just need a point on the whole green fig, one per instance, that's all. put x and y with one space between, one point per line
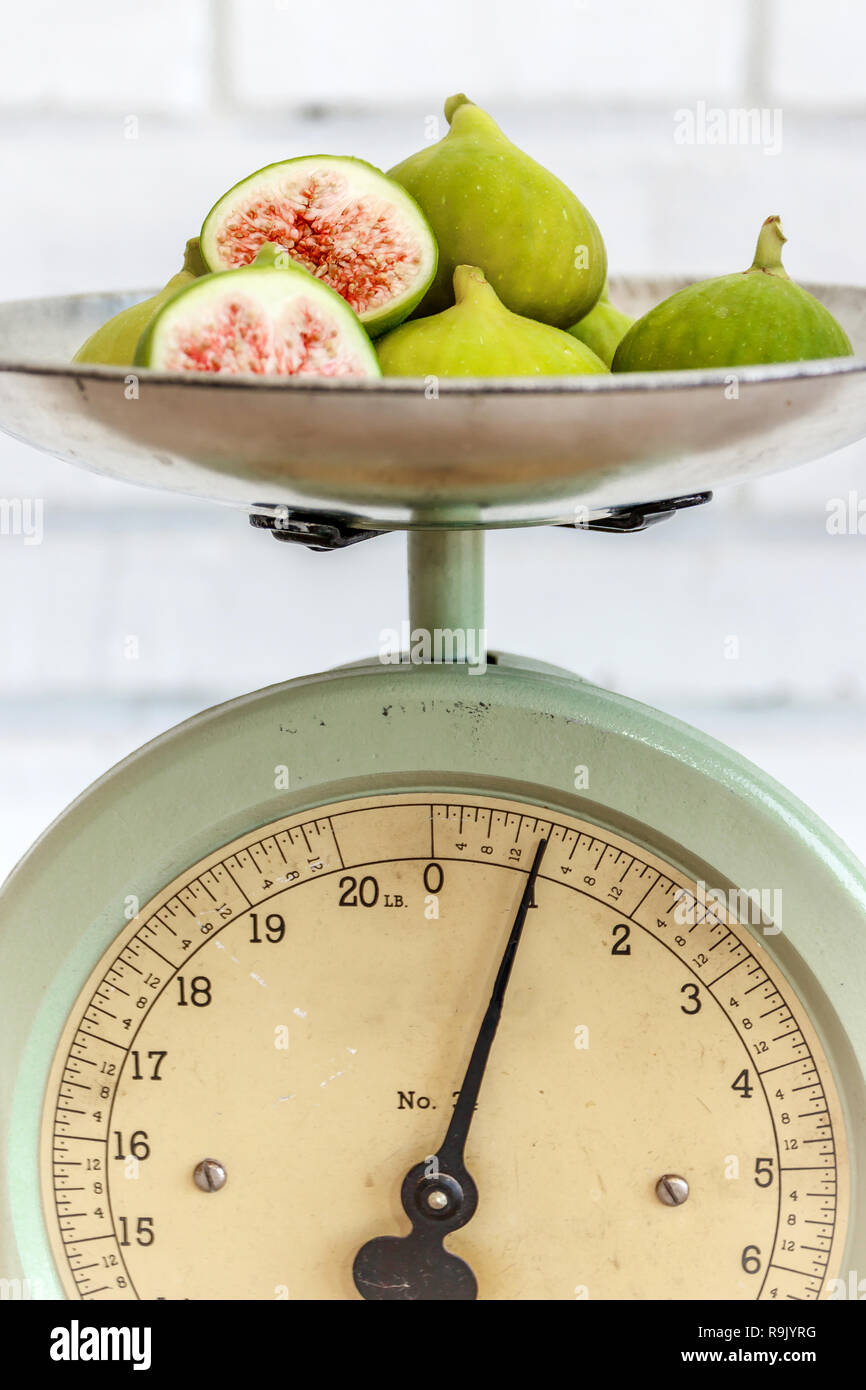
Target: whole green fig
603 328
492 206
478 336
754 316
115 342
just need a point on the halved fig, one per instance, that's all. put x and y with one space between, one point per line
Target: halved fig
343 220
262 319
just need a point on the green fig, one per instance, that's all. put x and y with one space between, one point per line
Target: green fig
478 336
492 206
603 328
343 220
753 316
115 342
271 318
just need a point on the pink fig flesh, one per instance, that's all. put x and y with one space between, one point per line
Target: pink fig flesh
266 321
342 220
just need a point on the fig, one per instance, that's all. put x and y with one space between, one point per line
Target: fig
753 316
492 206
270 318
115 342
478 336
603 328
341 219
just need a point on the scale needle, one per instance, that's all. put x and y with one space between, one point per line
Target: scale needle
439 1194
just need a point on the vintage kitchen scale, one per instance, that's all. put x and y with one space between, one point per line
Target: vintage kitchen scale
250 979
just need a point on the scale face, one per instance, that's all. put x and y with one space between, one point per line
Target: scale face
445 979
658 1118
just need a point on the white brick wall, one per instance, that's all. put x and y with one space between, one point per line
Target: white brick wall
817 53
284 54
589 88
91 55
124 57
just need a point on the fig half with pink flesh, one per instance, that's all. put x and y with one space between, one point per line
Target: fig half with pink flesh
271 318
342 220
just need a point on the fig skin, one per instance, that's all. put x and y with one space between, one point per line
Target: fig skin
115 342
492 206
603 328
478 336
755 316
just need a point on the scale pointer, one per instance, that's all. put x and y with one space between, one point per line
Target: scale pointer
417 1267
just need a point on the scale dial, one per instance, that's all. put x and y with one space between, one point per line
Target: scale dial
276 1038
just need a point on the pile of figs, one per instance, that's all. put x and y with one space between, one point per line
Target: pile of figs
467 259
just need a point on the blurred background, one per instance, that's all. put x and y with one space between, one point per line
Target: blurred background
122 123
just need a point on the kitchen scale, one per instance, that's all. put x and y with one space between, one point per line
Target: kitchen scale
435 979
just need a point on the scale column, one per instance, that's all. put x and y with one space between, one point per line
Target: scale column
446 593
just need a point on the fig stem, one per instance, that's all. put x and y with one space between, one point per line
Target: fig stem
272 254
768 252
192 258
451 105
471 286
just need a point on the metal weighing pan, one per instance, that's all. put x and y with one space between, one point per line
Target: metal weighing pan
410 453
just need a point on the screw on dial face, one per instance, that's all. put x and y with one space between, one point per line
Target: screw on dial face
672 1190
209 1175
298 1005
418 1267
